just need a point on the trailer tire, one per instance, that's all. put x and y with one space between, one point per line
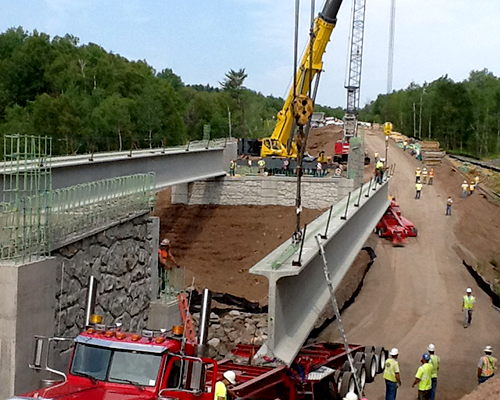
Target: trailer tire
347 384
371 366
359 357
381 358
361 374
347 366
380 232
415 231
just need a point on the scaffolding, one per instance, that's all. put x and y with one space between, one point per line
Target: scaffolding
34 219
27 183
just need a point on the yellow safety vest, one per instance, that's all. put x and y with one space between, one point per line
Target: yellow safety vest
489 365
417 172
380 165
424 373
469 302
418 186
391 369
435 365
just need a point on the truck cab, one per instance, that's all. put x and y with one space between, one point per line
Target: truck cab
111 364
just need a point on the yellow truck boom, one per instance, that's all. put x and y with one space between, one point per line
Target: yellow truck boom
281 143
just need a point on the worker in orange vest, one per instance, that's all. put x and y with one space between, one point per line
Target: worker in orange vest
164 256
431 176
487 365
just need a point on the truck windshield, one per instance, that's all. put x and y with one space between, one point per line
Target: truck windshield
115 365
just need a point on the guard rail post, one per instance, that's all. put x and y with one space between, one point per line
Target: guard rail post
344 217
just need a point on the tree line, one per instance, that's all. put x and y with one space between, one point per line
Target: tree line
88 99
463 116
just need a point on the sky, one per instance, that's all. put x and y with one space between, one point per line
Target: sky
201 40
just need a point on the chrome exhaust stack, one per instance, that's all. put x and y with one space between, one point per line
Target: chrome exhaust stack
91 299
206 309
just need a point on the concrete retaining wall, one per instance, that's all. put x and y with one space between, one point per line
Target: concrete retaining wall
48 297
317 193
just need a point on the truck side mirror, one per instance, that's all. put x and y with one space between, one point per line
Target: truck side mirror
38 354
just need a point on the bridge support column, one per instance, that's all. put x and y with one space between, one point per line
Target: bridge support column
27 308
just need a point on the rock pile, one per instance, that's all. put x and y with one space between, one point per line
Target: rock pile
232 328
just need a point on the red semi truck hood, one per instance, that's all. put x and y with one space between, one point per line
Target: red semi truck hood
70 391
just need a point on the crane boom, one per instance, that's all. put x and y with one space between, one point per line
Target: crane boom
308 69
355 61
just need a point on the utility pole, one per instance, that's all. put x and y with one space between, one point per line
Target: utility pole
390 63
414 121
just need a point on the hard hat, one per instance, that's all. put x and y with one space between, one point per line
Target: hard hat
394 352
431 347
165 242
426 357
465 181
469 290
351 396
230 376
382 159
488 349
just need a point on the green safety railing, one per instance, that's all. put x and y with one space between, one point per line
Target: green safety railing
31 226
171 282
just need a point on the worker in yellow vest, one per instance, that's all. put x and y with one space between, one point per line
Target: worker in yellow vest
221 387
468 304
391 375
418 172
423 378
465 187
424 175
418 190
262 165
434 361
472 187
487 365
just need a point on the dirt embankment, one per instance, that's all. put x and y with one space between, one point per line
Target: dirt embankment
219 244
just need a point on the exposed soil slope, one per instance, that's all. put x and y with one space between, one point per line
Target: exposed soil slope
218 244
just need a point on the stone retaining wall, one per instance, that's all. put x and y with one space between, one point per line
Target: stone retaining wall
122 259
317 193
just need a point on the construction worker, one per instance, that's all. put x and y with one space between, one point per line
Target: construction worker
424 175
434 361
465 187
487 365
424 378
379 170
418 172
431 176
418 190
472 187
164 256
375 157
262 165
391 375
449 203
468 304
476 181
221 390
405 143
322 157
232 167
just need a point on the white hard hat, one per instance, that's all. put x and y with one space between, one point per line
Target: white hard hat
230 376
469 290
488 349
165 242
394 352
351 396
465 181
382 159
431 347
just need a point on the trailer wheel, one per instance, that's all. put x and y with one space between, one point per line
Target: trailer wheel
415 231
371 366
347 366
380 232
381 357
347 384
361 374
359 357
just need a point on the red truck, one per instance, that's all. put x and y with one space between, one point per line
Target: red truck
110 364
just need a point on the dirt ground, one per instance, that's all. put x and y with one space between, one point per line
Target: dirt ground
412 295
218 244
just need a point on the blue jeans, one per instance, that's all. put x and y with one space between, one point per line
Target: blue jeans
485 378
448 209
464 194
391 389
433 388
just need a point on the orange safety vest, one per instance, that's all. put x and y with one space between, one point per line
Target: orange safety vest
163 254
488 366
431 173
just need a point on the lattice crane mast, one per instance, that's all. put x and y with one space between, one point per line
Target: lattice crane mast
353 81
